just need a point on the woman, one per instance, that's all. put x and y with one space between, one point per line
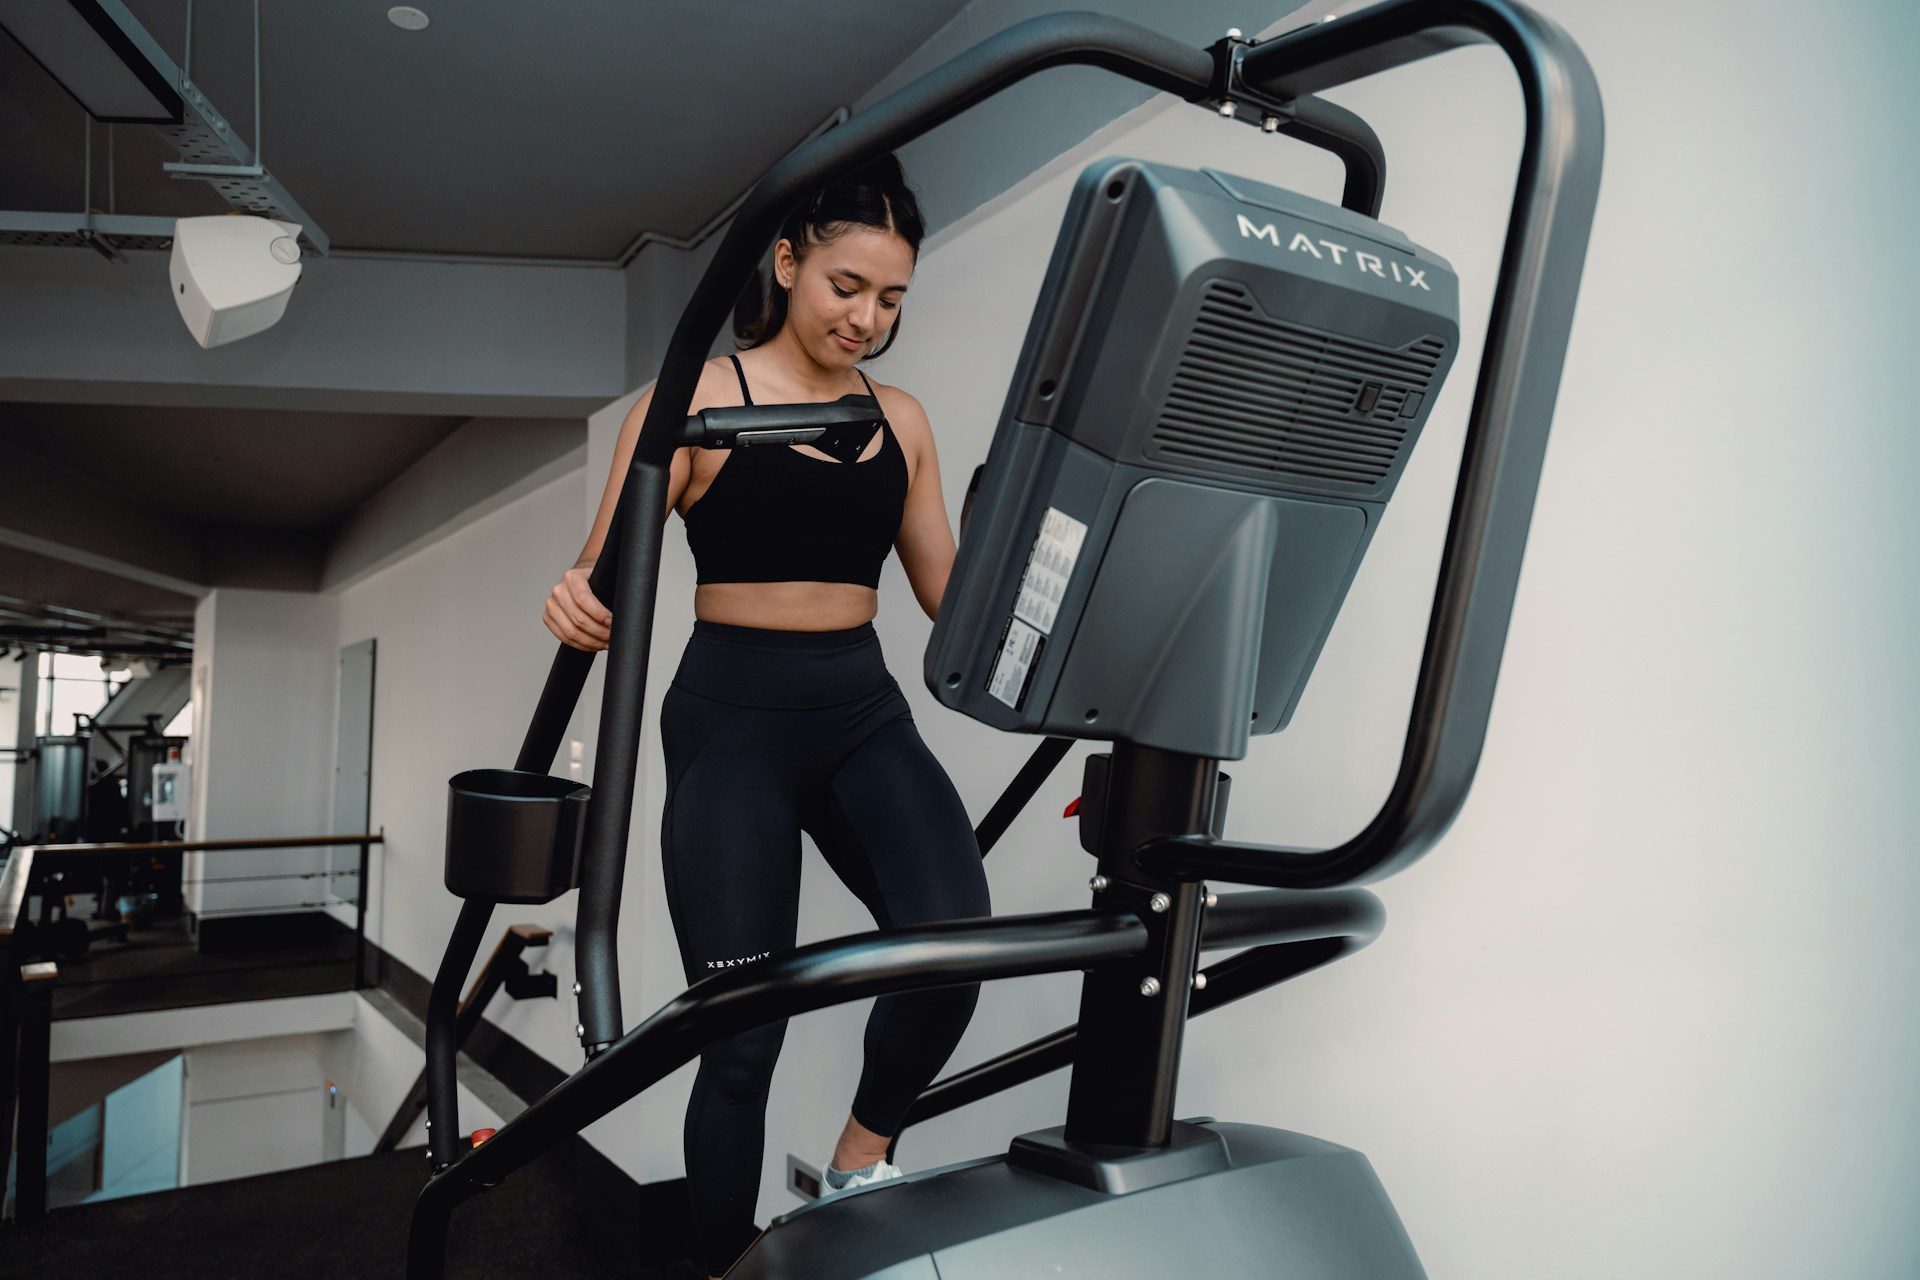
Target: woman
782 717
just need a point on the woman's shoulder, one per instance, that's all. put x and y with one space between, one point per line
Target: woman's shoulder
903 410
718 387
908 420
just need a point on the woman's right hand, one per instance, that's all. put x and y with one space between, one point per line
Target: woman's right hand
575 615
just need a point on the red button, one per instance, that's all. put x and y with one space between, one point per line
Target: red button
1072 808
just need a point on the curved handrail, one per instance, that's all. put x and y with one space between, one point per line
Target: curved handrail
1519 379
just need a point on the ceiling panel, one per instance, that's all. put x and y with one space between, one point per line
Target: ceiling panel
550 130
300 472
45 582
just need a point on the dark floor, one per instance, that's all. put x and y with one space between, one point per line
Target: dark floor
159 968
341 1221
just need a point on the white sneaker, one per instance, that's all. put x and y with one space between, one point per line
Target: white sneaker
882 1172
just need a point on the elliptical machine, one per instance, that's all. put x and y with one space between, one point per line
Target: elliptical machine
1218 393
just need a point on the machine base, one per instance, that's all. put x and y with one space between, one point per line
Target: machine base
1284 1206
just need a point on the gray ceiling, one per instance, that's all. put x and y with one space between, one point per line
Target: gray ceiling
35 591
27 575
506 128
296 472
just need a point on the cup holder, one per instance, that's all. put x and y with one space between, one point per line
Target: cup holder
513 836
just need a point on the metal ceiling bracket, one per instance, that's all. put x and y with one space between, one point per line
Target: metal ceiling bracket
210 151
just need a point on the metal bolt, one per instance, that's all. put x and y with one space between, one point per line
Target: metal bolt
580 1030
1098 884
1213 899
1269 124
429 1124
1200 981
1233 33
576 988
1149 986
1226 109
1159 902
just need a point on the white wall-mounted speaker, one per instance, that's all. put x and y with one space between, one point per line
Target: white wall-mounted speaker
231 276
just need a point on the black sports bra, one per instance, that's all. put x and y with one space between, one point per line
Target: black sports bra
774 514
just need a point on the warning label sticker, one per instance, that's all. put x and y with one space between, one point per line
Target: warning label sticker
1049 567
1014 663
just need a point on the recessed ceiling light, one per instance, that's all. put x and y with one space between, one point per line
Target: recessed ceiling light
407 18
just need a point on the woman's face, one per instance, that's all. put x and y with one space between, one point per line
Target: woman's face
846 293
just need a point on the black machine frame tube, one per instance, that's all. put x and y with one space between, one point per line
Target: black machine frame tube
1063 39
1519 380
443 1032
1039 767
1133 1016
603 846
493 975
1352 141
1327 925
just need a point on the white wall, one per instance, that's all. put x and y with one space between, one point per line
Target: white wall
264 670
1647 1010
462 657
255 1106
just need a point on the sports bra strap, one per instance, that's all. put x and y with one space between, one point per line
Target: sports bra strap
741 374
747 395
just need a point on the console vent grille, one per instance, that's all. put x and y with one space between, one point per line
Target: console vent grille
1257 394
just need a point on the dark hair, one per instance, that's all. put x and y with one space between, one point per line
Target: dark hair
875 195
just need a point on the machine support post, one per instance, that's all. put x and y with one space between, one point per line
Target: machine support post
604 847
443 1037
1133 1014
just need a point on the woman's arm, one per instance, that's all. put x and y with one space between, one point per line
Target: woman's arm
572 612
925 542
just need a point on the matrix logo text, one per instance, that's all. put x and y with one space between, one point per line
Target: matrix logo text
1412 277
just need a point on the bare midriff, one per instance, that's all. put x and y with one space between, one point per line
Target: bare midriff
787 606
779 606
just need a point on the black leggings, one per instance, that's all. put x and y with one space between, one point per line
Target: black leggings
768 734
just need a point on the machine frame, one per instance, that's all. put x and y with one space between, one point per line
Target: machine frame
1157 834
